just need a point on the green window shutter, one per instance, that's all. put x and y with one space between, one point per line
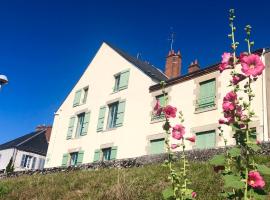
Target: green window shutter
123 84
113 153
97 155
120 113
206 139
161 100
85 123
101 117
157 146
80 157
70 128
77 98
64 160
207 94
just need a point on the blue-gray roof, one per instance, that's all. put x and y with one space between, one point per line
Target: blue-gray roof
34 142
145 67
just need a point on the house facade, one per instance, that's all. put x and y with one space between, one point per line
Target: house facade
27 152
108 114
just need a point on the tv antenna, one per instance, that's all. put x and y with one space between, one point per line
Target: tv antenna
172 38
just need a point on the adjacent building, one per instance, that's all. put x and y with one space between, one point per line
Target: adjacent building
27 152
108 114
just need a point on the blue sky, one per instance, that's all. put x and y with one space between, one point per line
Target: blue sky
46 45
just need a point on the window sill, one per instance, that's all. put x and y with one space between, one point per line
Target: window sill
114 92
201 110
153 121
109 129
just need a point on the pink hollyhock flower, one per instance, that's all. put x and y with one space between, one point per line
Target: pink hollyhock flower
230 96
191 139
239 111
258 142
193 194
228 106
226 61
174 146
252 65
238 78
170 111
178 132
157 109
255 180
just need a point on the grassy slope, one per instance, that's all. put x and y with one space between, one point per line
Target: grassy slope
137 183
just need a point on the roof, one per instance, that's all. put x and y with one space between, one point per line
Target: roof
34 142
147 68
198 73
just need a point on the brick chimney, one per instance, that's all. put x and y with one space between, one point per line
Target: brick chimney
173 64
48 131
194 66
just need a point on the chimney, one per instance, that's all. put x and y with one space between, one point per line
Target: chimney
173 64
194 66
48 133
48 130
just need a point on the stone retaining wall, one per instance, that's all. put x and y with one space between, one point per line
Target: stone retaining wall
193 155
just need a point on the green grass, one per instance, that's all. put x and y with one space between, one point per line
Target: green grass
112 184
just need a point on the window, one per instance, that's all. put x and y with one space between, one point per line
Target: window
112 115
207 94
205 140
85 93
157 146
161 99
80 97
26 160
121 81
106 154
80 124
34 162
41 163
117 83
73 159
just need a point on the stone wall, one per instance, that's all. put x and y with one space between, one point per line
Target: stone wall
193 155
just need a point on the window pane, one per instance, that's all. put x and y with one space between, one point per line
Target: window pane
73 158
117 83
85 95
106 153
112 115
80 124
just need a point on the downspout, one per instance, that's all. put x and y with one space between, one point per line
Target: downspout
263 97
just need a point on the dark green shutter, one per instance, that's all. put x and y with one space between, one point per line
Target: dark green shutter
64 160
70 128
206 139
113 153
101 117
77 98
120 113
157 146
80 157
85 123
97 155
161 100
124 77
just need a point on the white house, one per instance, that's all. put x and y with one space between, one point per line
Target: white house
27 152
108 113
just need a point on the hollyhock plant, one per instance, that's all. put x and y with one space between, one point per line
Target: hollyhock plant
252 65
193 194
255 180
178 131
174 146
169 111
237 78
228 106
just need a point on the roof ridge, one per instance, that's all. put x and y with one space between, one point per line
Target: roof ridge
36 134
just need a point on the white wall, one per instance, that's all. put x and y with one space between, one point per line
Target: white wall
99 76
5 156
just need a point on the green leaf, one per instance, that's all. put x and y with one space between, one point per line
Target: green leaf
218 160
259 195
233 181
168 194
254 147
235 152
263 169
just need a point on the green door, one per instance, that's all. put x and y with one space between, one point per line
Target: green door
157 146
205 140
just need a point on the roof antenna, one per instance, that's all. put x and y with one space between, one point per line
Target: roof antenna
172 37
139 55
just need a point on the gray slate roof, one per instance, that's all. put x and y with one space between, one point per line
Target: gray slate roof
147 68
34 142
